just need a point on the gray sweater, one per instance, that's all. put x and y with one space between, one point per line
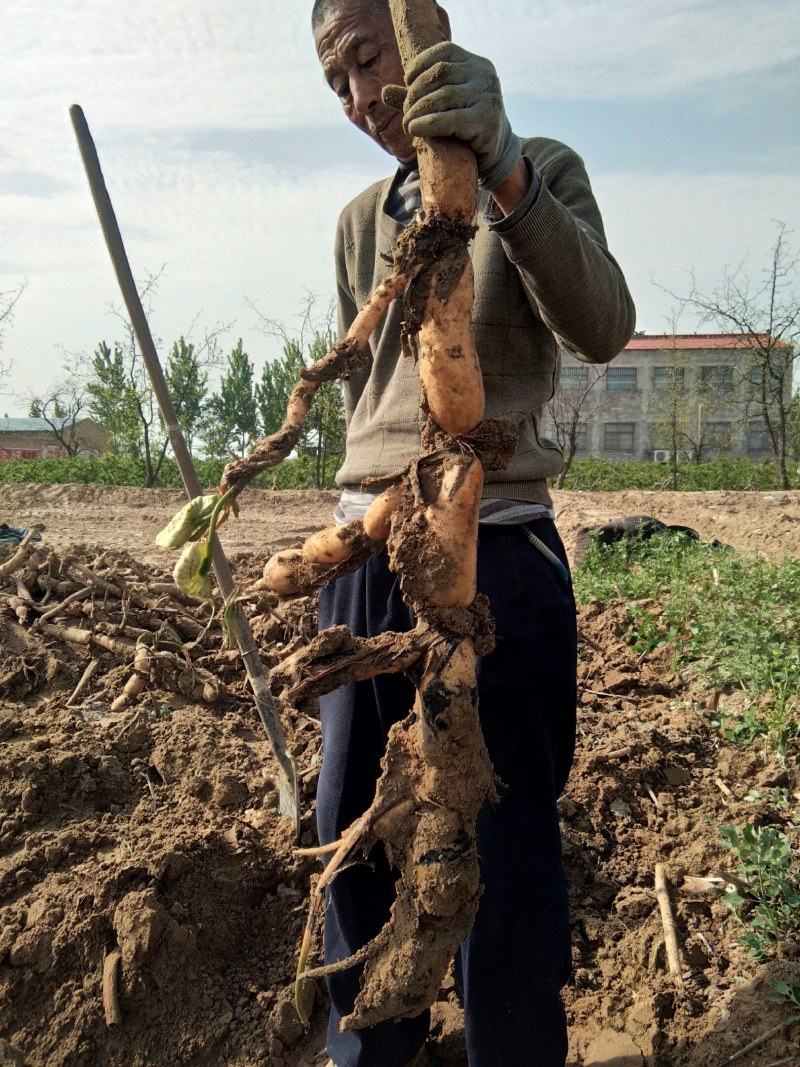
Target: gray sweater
543 278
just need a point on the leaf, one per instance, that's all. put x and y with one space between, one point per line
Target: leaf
189 524
191 572
733 900
781 988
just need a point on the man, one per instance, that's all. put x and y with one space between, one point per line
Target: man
542 272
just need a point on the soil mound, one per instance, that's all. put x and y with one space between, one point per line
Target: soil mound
150 829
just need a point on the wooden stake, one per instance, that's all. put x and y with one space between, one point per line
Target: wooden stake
265 705
668 922
718 782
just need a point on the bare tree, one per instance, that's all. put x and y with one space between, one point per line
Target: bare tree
678 408
63 406
8 301
766 315
572 408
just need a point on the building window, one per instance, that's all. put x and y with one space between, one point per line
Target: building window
574 377
668 377
718 435
621 378
757 436
619 436
717 379
764 381
580 438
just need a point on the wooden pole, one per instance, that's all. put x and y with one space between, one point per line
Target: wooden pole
268 712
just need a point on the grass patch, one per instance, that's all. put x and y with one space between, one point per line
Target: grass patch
733 618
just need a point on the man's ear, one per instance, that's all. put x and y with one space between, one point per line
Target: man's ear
444 22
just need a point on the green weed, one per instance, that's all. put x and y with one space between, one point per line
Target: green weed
783 993
769 865
730 617
778 797
590 473
160 712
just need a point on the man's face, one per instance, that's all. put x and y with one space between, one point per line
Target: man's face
358 51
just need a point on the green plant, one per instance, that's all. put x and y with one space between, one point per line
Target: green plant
778 796
157 713
299 473
597 474
695 598
786 994
769 866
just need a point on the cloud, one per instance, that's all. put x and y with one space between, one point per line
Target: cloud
662 228
29 183
614 49
177 70
228 160
224 233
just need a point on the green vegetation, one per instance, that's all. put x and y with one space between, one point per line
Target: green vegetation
725 615
300 473
119 396
321 456
783 993
767 901
230 421
733 620
113 387
594 474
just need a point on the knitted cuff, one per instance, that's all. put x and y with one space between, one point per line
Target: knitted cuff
500 223
508 159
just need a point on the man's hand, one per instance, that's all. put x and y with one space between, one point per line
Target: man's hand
453 93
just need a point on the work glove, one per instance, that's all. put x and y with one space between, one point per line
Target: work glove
452 93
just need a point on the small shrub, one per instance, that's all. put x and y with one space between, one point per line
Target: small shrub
768 862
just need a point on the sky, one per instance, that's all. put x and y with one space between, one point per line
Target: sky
228 159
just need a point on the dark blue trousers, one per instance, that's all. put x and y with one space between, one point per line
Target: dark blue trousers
512 967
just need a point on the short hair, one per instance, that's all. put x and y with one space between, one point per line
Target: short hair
323 9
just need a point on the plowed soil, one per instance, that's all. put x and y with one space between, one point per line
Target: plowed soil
153 830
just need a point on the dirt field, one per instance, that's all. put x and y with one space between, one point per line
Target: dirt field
128 519
152 828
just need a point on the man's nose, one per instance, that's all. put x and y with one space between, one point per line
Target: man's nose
366 93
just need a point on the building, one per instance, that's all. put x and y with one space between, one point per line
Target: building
694 392
36 439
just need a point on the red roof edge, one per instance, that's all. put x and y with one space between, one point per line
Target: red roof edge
665 342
